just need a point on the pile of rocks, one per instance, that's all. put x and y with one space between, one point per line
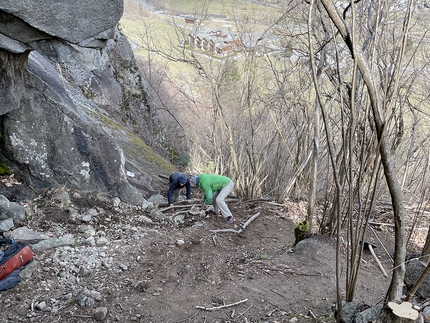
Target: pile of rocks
72 258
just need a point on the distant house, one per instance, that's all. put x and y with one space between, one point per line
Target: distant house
215 33
198 42
222 50
229 40
208 45
214 41
190 20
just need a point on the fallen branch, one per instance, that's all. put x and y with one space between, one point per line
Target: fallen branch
259 200
277 204
377 261
252 218
420 307
220 307
287 270
172 218
278 293
392 225
178 207
193 203
241 314
379 240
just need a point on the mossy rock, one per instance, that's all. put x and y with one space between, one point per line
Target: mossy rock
300 231
4 170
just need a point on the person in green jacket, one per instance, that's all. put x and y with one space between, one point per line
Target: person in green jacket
216 188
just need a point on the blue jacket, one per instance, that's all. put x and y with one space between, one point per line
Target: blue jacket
174 185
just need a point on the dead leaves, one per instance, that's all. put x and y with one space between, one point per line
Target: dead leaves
9 181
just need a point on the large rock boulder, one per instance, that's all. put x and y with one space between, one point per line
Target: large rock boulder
75 110
74 21
24 23
414 269
12 67
55 138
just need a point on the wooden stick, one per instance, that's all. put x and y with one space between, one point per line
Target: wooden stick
188 205
260 200
278 293
420 307
392 225
243 313
220 307
277 204
377 261
379 240
178 207
252 218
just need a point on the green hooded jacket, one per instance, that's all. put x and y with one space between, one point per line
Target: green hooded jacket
210 183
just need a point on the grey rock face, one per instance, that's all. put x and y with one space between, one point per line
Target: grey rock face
25 235
57 140
11 210
74 21
12 84
73 101
414 269
6 225
24 24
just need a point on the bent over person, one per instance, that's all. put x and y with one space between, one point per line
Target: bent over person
216 188
177 182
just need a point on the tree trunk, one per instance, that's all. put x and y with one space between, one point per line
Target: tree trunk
314 168
396 286
398 313
425 254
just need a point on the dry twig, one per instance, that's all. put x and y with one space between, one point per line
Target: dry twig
379 240
252 218
178 207
220 307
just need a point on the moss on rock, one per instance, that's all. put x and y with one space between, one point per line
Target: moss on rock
4 169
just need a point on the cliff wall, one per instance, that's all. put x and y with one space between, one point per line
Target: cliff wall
74 108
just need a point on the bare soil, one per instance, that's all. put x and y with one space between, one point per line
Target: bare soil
186 273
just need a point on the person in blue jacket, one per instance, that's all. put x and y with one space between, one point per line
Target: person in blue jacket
177 182
215 188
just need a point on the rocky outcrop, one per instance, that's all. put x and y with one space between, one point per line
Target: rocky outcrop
75 110
73 21
24 24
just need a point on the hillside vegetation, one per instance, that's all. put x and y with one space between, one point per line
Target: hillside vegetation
325 104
